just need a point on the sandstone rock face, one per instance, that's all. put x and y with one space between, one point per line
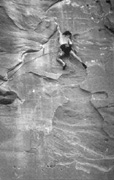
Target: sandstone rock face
56 124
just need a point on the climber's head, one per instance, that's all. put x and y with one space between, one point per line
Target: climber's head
67 34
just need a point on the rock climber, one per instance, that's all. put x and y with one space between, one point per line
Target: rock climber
66 49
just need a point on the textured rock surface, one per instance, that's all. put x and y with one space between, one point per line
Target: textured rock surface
56 124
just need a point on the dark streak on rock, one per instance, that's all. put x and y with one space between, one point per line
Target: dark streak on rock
52 34
106 135
53 4
108 1
43 76
96 93
97 1
8 97
14 67
101 93
107 106
30 51
3 78
111 29
84 90
50 79
32 150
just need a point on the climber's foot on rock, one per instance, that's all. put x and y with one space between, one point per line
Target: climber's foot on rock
84 66
64 66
